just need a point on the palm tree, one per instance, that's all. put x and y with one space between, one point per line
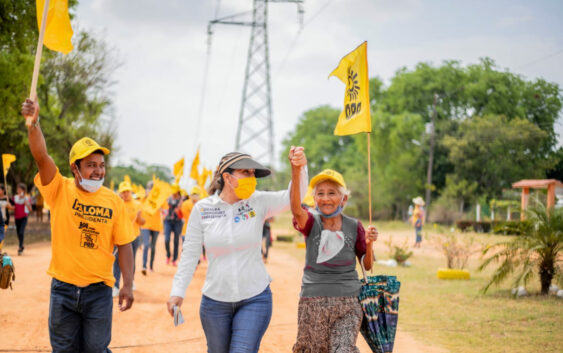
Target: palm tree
537 251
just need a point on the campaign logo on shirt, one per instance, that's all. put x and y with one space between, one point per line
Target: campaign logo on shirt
212 213
88 236
92 213
244 212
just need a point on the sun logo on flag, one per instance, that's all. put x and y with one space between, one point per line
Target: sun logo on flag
353 86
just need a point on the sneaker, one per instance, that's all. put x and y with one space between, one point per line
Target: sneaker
167 260
144 271
20 251
174 263
114 292
152 270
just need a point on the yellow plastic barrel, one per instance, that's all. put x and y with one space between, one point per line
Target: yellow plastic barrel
450 273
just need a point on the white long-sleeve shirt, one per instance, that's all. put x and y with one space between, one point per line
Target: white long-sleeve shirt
232 236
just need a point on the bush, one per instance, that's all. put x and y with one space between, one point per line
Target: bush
464 225
511 227
478 227
285 238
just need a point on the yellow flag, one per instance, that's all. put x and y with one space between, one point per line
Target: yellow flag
194 173
7 159
179 169
112 185
158 195
58 30
127 179
205 173
353 72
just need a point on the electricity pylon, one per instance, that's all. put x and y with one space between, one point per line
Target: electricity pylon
255 132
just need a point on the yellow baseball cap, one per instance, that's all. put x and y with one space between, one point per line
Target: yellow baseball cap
124 186
83 148
328 174
195 190
175 188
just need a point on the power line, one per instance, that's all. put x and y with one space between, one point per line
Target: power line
540 59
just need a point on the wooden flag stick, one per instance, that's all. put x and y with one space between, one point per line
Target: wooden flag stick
369 176
37 64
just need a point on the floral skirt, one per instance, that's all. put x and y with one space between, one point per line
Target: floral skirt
328 325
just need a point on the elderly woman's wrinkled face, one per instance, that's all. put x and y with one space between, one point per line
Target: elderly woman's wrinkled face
328 197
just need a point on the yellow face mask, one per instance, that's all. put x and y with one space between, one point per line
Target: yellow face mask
245 188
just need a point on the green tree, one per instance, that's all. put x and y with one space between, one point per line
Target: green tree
139 172
72 90
495 152
536 252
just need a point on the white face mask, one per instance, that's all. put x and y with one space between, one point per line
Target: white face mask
331 243
90 185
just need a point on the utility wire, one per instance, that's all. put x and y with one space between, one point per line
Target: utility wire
294 42
540 59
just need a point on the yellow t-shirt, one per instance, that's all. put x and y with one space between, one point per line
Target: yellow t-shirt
84 229
133 207
186 209
152 222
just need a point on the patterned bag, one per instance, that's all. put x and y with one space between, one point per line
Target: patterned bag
7 274
379 298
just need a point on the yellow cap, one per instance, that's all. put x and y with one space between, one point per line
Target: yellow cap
175 188
83 148
195 190
328 174
124 186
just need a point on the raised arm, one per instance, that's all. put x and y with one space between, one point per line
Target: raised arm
37 145
297 160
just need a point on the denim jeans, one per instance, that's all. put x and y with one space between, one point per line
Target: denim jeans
20 229
176 228
149 239
80 317
117 269
236 327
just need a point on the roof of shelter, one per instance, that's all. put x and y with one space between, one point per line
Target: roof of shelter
536 183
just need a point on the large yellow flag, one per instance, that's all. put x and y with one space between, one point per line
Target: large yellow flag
7 159
179 169
58 30
158 195
194 173
205 173
353 72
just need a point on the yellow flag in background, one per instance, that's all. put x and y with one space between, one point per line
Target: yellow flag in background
7 159
179 169
112 185
353 72
127 179
58 31
194 173
205 173
158 195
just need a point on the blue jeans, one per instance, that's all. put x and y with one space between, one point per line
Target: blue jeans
176 228
149 239
117 269
80 317
236 327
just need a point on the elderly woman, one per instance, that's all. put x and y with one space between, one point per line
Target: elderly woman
329 314
236 305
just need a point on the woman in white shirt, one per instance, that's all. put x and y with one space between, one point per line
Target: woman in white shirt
236 305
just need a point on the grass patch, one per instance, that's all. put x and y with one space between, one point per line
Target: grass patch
456 315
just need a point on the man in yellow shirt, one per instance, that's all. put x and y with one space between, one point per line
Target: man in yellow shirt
87 220
133 208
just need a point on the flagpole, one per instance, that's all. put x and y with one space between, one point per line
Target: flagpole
369 176
37 64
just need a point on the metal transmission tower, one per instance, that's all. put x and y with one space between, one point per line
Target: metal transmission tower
255 133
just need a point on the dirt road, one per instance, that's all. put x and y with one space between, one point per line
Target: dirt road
147 327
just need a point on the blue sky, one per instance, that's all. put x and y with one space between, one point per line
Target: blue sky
162 45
